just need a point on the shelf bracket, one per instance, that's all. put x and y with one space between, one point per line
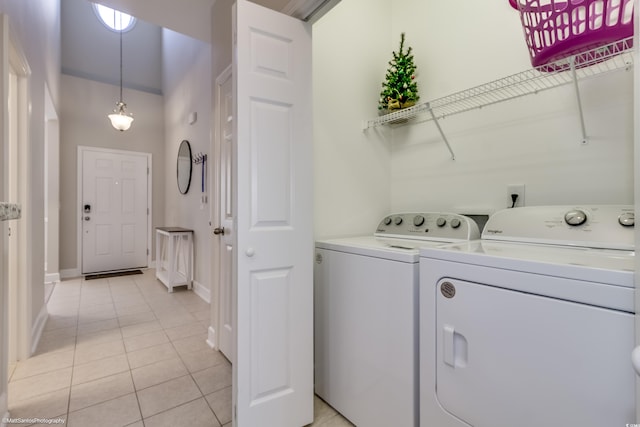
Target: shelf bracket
444 138
574 77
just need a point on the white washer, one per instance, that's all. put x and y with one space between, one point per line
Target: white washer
366 313
534 324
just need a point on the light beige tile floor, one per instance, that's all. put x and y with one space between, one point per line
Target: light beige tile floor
124 352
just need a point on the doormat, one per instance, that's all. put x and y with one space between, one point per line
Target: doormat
114 274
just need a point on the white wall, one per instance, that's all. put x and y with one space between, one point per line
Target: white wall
35 24
91 50
533 140
352 167
187 89
459 44
83 121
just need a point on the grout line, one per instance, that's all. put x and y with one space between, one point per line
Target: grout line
169 409
73 359
212 410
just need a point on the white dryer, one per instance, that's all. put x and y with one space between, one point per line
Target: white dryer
533 325
366 313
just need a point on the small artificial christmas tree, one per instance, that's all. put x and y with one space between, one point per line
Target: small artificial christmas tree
400 90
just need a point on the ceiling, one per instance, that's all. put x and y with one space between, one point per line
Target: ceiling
193 17
90 51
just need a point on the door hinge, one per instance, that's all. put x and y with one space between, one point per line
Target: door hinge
147 251
147 211
147 170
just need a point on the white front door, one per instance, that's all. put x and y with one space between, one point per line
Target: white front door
226 162
273 363
114 210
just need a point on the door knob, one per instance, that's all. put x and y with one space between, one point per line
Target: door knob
218 230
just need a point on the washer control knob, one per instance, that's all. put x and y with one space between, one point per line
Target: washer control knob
441 222
627 219
455 223
575 217
418 220
398 220
387 220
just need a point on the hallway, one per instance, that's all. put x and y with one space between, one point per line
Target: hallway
125 352
120 350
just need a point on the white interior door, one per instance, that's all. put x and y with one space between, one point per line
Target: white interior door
273 364
636 171
226 161
4 228
18 185
15 290
114 210
16 229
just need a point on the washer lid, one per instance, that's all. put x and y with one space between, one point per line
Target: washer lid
403 250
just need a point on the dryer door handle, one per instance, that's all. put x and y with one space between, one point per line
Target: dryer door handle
454 347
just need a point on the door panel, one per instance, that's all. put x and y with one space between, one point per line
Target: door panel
273 367
271 164
114 204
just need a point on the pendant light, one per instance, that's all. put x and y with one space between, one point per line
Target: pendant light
119 118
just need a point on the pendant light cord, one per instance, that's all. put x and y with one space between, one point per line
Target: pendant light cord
115 17
120 120
120 65
120 58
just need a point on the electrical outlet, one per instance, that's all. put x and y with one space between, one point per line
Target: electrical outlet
515 189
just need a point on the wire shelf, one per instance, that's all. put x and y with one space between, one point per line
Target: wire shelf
595 62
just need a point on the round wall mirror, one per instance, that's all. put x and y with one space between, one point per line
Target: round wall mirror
184 167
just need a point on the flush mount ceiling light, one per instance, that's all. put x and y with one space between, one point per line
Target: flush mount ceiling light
120 120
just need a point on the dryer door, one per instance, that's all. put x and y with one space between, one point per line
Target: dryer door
506 358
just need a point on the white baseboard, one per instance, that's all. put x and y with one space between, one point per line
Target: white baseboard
70 273
52 278
38 327
211 338
202 291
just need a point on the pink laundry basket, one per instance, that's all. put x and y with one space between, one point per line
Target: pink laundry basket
555 29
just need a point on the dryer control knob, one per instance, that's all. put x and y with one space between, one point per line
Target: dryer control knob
575 217
441 222
627 219
387 221
455 223
418 220
398 220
